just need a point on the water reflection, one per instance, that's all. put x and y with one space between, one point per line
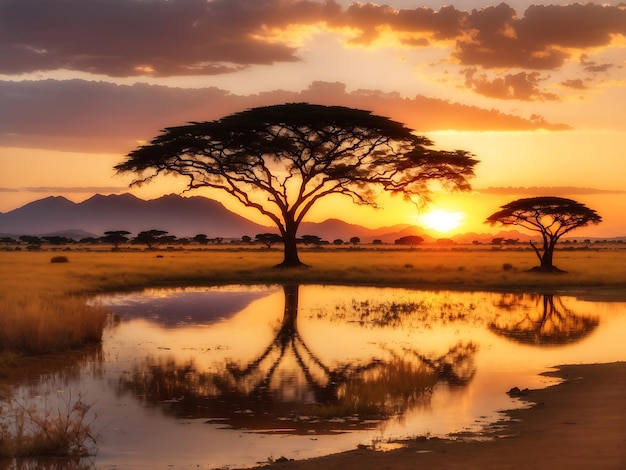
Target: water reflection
540 319
232 375
288 387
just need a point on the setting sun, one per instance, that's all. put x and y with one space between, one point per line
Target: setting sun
441 221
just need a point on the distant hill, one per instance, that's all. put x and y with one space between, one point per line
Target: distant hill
177 215
189 216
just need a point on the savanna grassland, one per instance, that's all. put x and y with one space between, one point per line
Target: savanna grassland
43 308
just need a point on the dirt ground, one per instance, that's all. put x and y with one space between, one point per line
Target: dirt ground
579 424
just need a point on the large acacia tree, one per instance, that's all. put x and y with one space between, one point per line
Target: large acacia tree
550 216
281 160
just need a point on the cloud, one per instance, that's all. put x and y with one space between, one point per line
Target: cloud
576 84
87 116
594 67
560 191
543 39
520 86
122 38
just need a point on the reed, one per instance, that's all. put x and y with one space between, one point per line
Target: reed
37 324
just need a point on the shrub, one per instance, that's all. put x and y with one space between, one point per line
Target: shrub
29 432
59 259
507 266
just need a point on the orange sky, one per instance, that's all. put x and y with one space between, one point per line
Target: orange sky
535 92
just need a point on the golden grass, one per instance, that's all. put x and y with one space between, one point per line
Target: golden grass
42 324
31 273
41 300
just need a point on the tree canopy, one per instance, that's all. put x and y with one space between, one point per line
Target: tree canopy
281 160
550 216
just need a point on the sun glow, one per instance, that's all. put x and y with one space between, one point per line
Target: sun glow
441 221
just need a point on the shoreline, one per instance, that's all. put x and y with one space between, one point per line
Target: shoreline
577 424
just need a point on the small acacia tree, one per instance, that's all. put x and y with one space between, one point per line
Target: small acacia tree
551 216
281 160
115 237
268 239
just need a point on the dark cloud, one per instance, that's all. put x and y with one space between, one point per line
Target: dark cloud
576 84
594 67
368 18
136 37
190 37
542 38
560 191
86 116
520 86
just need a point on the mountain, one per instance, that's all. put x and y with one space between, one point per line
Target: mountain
189 216
175 214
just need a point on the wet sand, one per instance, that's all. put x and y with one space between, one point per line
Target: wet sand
579 424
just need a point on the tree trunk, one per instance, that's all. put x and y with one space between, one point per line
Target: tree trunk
290 257
546 259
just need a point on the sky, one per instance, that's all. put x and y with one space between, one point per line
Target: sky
535 90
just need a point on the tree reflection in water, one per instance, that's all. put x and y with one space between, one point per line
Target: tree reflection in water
543 320
288 388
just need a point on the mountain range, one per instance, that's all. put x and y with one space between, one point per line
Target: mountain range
183 217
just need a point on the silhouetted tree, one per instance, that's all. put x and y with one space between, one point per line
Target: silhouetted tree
410 240
311 240
337 241
281 160
550 216
201 238
246 239
57 240
151 238
115 237
31 240
268 239
355 241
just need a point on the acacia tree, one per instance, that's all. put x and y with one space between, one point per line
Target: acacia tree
551 216
281 160
268 239
152 238
115 237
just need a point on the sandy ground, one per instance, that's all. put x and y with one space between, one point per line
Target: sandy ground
578 424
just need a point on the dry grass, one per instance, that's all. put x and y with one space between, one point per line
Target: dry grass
28 273
38 324
65 431
42 304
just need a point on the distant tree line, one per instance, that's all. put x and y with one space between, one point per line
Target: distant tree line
154 239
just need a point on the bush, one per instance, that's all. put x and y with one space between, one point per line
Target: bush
65 432
59 259
507 266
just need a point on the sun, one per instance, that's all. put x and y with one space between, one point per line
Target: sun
441 221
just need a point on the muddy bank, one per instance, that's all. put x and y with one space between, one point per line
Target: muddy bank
578 424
